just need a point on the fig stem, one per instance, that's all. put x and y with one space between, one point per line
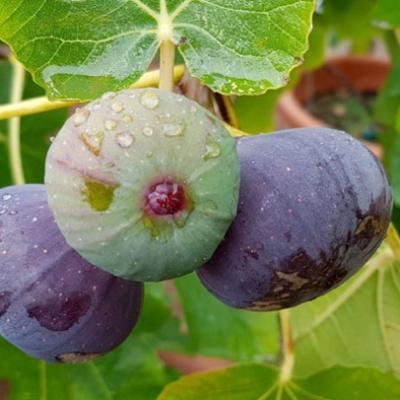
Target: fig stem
43 380
14 124
42 104
287 348
393 239
167 60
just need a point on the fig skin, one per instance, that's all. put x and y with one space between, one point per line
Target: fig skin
54 305
108 158
314 206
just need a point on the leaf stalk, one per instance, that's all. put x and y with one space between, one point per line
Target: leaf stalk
43 104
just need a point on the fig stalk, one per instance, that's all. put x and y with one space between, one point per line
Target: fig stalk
287 347
14 124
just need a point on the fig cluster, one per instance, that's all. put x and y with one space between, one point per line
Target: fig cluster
145 185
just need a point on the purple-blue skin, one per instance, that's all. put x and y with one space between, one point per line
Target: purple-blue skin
314 206
54 305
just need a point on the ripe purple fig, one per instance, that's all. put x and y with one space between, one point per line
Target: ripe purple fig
314 206
54 305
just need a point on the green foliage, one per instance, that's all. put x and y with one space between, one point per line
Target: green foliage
233 47
217 330
36 131
386 112
255 381
366 304
132 371
388 11
80 49
350 19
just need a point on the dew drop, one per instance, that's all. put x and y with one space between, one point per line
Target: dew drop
117 107
81 116
110 124
149 99
6 196
147 131
108 96
173 130
127 119
213 150
125 140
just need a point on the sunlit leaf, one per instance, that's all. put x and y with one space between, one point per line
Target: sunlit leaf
80 49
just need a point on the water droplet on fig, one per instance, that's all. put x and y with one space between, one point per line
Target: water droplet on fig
125 140
117 107
81 116
149 99
108 96
173 130
213 150
127 119
110 124
147 131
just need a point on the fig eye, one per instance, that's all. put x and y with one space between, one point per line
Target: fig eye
166 197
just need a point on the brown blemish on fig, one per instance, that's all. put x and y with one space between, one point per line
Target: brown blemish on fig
76 358
93 142
294 279
60 313
5 301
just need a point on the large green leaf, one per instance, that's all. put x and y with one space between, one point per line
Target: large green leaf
260 382
217 330
356 324
388 11
132 371
80 49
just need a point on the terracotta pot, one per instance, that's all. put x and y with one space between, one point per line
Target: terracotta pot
189 364
360 73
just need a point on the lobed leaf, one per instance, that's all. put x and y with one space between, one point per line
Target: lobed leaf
81 49
261 382
356 324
